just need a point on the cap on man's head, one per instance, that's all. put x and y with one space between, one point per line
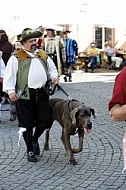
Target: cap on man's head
66 31
28 33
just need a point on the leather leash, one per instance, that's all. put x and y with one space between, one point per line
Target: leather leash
50 90
60 88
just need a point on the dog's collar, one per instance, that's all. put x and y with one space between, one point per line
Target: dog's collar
69 103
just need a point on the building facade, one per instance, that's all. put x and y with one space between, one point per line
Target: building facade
87 33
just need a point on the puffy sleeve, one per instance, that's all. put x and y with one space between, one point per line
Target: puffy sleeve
2 68
9 81
119 90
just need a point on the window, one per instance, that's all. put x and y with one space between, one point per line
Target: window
98 37
108 34
102 35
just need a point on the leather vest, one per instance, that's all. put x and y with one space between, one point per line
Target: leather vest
24 61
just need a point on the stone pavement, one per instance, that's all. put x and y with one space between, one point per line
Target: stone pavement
100 163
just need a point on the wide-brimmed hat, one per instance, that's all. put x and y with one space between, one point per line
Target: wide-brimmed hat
28 33
50 29
66 31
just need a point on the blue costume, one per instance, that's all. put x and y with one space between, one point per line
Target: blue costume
71 48
71 51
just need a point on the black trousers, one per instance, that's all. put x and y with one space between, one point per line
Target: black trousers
109 60
34 112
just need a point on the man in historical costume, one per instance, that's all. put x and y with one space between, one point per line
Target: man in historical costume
53 45
6 48
26 74
71 48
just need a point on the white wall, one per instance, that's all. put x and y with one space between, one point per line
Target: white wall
120 35
83 33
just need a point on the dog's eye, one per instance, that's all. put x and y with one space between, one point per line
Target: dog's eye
84 113
88 114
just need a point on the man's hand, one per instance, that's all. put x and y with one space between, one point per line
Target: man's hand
13 97
54 81
1 80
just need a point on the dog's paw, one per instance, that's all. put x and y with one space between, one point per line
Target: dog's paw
72 162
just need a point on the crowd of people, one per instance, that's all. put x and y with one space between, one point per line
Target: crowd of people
24 72
36 58
110 54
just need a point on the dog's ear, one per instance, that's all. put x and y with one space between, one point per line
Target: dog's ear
92 112
73 113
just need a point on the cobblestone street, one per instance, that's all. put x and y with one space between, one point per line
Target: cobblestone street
100 164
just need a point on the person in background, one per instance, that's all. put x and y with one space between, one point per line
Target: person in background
92 53
111 51
2 72
17 45
71 48
53 45
13 112
5 46
26 74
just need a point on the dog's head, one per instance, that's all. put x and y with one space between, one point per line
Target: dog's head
82 115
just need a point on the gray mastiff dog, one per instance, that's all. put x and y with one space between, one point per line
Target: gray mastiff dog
74 117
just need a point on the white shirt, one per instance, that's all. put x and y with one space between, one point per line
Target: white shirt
109 50
36 78
2 68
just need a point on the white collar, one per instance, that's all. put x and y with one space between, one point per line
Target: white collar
32 54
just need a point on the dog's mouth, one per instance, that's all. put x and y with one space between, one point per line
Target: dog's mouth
88 131
88 128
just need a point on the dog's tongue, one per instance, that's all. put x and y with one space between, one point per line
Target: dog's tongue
88 131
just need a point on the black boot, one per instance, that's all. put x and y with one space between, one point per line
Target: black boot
38 132
31 156
65 79
36 148
29 143
70 77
